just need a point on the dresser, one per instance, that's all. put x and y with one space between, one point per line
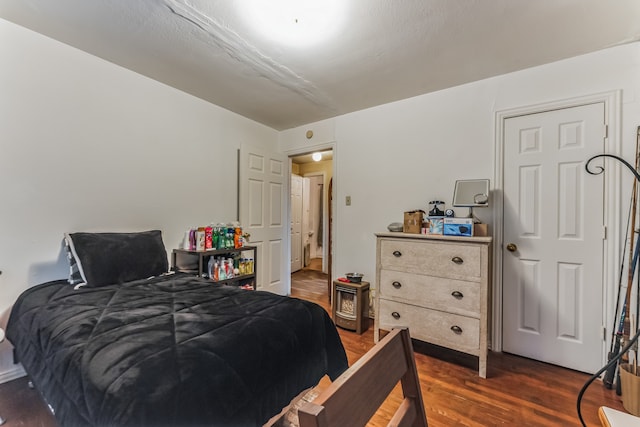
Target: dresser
439 287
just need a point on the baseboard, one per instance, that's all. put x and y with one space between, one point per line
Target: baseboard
12 374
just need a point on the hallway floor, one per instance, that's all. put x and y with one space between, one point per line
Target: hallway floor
310 283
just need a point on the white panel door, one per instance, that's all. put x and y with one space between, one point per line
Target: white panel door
315 215
263 214
553 237
306 230
296 222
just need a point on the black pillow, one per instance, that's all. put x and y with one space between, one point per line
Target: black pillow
110 258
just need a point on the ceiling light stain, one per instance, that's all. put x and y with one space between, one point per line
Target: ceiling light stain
300 24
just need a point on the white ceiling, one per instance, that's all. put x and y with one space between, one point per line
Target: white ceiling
382 50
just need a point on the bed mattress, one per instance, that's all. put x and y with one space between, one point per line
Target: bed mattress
174 350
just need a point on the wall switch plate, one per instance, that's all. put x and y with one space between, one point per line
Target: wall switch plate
348 200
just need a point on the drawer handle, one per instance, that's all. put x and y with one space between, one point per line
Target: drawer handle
456 329
397 254
397 285
395 315
457 260
457 294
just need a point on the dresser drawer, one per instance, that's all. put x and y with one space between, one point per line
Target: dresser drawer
445 329
442 259
453 296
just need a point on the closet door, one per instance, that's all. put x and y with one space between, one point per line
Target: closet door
553 237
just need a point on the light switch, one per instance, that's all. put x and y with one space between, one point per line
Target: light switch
348 200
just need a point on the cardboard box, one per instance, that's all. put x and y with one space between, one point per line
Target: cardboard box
413 222
436 224
481 230
458 227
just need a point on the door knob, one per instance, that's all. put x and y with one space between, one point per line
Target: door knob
511 247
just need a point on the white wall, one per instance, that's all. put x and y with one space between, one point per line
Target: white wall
86 145
399 156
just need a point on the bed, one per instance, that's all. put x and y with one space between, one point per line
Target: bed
168 349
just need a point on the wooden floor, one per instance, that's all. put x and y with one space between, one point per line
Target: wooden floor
517 392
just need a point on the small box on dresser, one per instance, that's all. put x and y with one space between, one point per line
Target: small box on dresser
439 287
458 227
413 222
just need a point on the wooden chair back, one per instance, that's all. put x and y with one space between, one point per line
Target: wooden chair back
354 397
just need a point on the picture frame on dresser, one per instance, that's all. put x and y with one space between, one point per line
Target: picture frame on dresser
439 287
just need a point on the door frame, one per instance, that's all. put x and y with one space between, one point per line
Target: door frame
611 204
334 172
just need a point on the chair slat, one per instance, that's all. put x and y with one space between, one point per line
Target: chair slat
354 397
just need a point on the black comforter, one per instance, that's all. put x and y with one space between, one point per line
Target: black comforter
170 351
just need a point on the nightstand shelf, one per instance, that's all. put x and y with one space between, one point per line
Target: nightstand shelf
196 263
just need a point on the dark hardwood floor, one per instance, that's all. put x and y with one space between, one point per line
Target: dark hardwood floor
517 392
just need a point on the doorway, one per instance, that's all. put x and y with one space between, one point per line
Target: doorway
310 220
